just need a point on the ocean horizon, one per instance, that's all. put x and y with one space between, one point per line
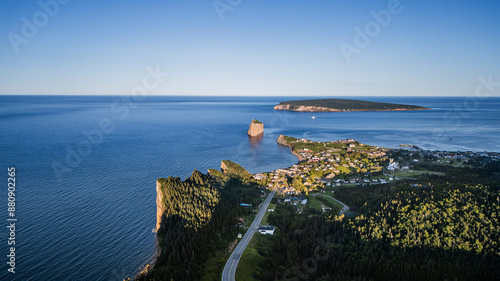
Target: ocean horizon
86 166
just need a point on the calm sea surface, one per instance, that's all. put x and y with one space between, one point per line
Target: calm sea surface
86 166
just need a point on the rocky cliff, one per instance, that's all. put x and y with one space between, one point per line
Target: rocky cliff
160 206
282 140
230 168
256 128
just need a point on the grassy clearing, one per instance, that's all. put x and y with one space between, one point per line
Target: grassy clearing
415 173
249 267
248 264
266 215
330 202
315 203
319 199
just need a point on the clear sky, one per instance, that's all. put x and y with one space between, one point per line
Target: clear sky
250 47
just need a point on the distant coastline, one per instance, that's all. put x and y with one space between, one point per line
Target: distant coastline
340 105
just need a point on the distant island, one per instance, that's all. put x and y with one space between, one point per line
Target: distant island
335 105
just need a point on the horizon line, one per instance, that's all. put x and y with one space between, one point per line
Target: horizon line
201 95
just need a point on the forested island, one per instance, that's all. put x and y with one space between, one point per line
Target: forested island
414 215
335 105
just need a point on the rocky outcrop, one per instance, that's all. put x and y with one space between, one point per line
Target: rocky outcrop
230 168
223 167
160 206
216 174
256 128
282 140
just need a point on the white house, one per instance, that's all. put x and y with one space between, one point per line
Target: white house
266 229
394 166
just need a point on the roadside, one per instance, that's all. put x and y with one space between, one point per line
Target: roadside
229 272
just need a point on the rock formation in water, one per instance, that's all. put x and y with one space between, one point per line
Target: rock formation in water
256 128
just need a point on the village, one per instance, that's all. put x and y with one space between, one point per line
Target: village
324 164
351 163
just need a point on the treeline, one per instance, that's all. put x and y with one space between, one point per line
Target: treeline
199 222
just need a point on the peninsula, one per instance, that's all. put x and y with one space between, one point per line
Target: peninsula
336 105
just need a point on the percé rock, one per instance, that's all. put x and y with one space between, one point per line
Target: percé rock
160 206
256 128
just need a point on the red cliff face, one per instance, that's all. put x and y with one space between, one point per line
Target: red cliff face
160 206
256 128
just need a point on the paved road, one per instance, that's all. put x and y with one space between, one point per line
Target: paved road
345 208
229 272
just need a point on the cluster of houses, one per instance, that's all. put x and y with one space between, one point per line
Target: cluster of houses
361 181
322 168
464 155
458 155
335 157
295 201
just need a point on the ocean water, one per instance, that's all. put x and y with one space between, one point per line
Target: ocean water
86 166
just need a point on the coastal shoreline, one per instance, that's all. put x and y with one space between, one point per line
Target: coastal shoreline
281 141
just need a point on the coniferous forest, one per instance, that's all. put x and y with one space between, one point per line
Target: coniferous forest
199 221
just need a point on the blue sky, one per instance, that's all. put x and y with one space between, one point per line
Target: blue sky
427 48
